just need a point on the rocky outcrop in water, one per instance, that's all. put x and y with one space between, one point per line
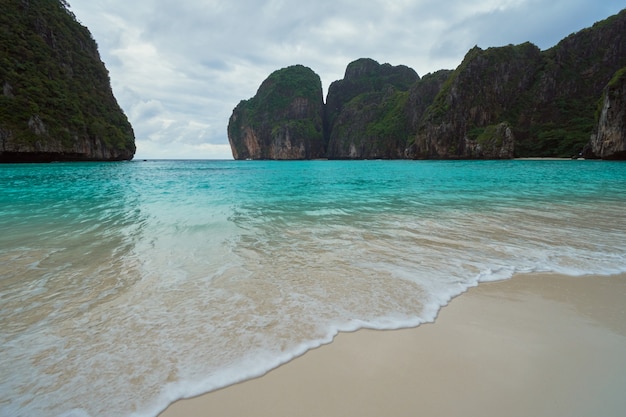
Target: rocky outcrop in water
284 120
56 102
609 140
499 103
365 112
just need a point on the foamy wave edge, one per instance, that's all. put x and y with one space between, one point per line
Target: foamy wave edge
255 367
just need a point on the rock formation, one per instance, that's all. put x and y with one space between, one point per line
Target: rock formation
284 120
422 94
609 140
56 102
470 116
558 114
499 103
365 116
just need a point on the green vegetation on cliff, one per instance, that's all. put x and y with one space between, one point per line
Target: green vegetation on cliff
279 89
56 101
568 87
284 120
365 76
618 78
365 112
391 122
500 102
371 125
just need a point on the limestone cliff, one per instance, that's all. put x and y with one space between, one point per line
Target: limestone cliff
500 102
56 102
365 112
422 94
557 116
284 120
470 116
547 99
609 140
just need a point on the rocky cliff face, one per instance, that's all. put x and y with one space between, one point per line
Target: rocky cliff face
422 94
499 103
557 115
284 120
365 111
547 99
56 102
469 118
609 140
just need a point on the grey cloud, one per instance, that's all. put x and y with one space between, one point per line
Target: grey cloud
541 22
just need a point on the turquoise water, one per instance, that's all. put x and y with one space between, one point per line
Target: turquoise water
125 286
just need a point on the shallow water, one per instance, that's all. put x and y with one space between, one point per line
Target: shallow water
124 286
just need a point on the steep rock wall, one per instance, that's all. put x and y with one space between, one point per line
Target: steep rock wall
558 115
609 141
422 94
474 103
365 111
56 102
284 120
499 103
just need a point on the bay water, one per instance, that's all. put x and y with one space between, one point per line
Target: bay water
125 286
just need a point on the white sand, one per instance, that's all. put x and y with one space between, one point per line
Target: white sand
537 345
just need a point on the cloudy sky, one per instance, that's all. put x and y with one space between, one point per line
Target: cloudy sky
178 68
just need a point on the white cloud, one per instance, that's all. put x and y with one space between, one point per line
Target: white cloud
179 68
152 150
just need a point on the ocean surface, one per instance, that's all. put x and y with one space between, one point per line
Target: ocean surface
125 286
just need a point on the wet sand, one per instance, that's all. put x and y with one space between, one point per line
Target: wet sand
535 345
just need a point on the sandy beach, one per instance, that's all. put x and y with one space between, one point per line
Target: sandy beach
535 345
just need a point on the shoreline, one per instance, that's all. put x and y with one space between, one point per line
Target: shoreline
537 344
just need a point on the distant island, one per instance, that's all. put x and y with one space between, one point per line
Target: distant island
499 103
56 102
